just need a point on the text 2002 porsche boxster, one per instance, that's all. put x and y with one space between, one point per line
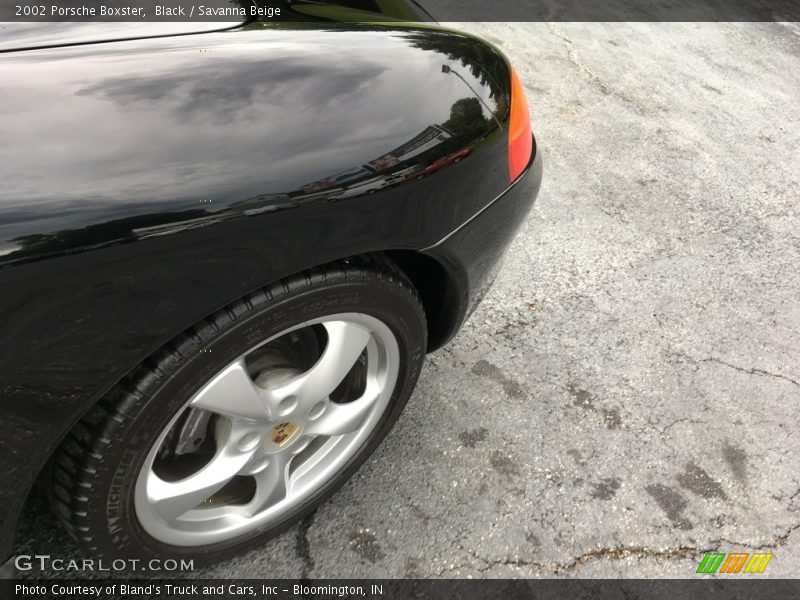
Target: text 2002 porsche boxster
212 310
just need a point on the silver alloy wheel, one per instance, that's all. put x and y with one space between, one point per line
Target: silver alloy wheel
278 429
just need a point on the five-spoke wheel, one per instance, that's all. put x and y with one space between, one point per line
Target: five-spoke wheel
272 431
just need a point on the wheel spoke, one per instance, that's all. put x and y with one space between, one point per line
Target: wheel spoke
272 484
339 419
232 393
171 499
346 342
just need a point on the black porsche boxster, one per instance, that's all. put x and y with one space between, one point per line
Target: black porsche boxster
224 254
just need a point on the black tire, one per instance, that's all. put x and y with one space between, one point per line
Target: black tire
96 467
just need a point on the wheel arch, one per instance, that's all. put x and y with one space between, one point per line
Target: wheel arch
441 295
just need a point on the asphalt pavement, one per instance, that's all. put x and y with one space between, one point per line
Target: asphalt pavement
626 397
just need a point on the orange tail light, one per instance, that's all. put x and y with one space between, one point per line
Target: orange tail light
520 140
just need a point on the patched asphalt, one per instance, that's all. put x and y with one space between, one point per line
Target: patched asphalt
626 397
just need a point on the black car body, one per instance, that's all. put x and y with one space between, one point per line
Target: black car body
146 183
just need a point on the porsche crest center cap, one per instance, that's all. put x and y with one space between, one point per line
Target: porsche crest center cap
282 433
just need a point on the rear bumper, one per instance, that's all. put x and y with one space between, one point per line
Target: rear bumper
473 252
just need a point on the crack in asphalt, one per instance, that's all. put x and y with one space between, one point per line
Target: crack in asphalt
572 56
302 545
619 552
675 422
751 371
614 553
779 541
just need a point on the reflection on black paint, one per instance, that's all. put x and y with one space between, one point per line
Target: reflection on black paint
271 120
479 59
228 91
